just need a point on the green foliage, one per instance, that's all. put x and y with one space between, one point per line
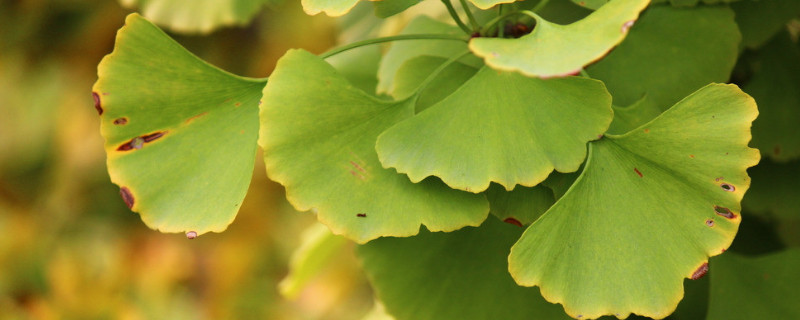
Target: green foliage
201 16
158 104
609 207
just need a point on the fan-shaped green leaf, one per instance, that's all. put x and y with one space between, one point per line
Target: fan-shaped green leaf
669 54
318 134
456 275
776 87
648 210
761 20
501 127
521 206
414 72
402 51
763 287
553 50
166 117
333 8
198 15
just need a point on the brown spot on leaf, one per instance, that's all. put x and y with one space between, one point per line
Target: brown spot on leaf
637 172
355 165
191 235
700 272
127 196
691 156
138 142
97 105
121 121
719 178
725 212
153 136
627 26
237 104
646 130
710 223
195 117
513 221
361 215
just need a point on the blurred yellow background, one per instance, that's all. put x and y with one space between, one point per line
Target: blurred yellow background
70 248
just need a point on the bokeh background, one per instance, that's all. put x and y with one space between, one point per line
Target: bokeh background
70 248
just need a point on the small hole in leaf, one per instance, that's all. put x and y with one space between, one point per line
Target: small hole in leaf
727 187
191 235
725 212
121 121
710 223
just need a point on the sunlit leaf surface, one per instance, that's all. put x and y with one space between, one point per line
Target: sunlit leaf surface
553 50
198 15
318 133
648 210
180 134
500 127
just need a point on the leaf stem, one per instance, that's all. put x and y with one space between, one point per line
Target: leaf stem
455 17
472 20
357 44
436 73
501 31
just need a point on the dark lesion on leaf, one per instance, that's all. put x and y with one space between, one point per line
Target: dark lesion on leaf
127 196
361 215
725 212
97 105
513 221
138 142
121 121
727 187
700 271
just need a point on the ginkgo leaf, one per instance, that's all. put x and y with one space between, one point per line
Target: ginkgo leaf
632 116
198 15
385 9
414 72
591 4
402 51
648 210
318 249
761 287
500 127
166 117
761 20
553 50
318 133
521 206
670 53
333 8
456 275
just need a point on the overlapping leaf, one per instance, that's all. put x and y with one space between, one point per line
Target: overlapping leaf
648 210
553 50
456 275
198 15
318 134
402 51
501 127
755 288
385 9
775 191
486 4
180 134
414 72
761 20
318 248
521 206
632 116
669 54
